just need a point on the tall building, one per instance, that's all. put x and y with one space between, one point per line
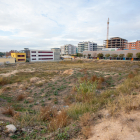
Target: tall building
87 46
116 42
133 45
68 49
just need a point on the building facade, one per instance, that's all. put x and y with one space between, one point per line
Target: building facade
68 49
133 45
20 57
56 53
116 42
41 55
87 46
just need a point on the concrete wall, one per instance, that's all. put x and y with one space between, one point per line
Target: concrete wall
95 53
7 60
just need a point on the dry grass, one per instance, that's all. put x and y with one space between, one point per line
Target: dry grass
61 120
131 75
85 78
84 119
47 113
20 97
86 131
94 78
8 111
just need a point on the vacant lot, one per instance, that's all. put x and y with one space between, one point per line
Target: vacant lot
70 99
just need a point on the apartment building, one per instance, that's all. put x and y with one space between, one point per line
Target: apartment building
68 49
133 45
19 57
87 46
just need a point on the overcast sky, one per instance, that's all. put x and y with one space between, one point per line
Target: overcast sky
44 24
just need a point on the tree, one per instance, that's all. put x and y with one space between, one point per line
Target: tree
100 55
79 54
1 54
121 55
129 55
107 55
114 55
138 55
89 55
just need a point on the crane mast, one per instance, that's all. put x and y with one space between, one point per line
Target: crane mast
107 33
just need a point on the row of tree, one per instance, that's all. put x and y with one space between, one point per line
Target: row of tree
128 55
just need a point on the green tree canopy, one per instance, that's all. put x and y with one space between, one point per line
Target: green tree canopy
100 55
129 55
114 55
138 55
107 55
121 55
1 54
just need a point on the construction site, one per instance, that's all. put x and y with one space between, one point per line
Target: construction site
116 42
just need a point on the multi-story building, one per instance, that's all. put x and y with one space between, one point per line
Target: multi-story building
68 49
87 46
41 55
19 57
38 55
56 53
116 42
133 45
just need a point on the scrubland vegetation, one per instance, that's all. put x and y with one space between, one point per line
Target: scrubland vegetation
65 100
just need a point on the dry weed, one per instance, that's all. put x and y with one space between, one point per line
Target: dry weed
8 111
20 97
47 113
17 116
94 78
99 86
86 131
61 120
131 76
82 79
84 119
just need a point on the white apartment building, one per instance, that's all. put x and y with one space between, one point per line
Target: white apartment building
68 49
87 46
41 55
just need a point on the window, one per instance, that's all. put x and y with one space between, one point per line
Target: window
44 58
20 55
21 59
45 55
44 52
33 51
33 58
33 55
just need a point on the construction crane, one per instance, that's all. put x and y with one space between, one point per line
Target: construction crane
107 33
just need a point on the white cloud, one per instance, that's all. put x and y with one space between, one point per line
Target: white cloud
44 24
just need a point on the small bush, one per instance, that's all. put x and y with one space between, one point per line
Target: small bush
47 113
61 120
20 97
94 78
8 111
79 61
